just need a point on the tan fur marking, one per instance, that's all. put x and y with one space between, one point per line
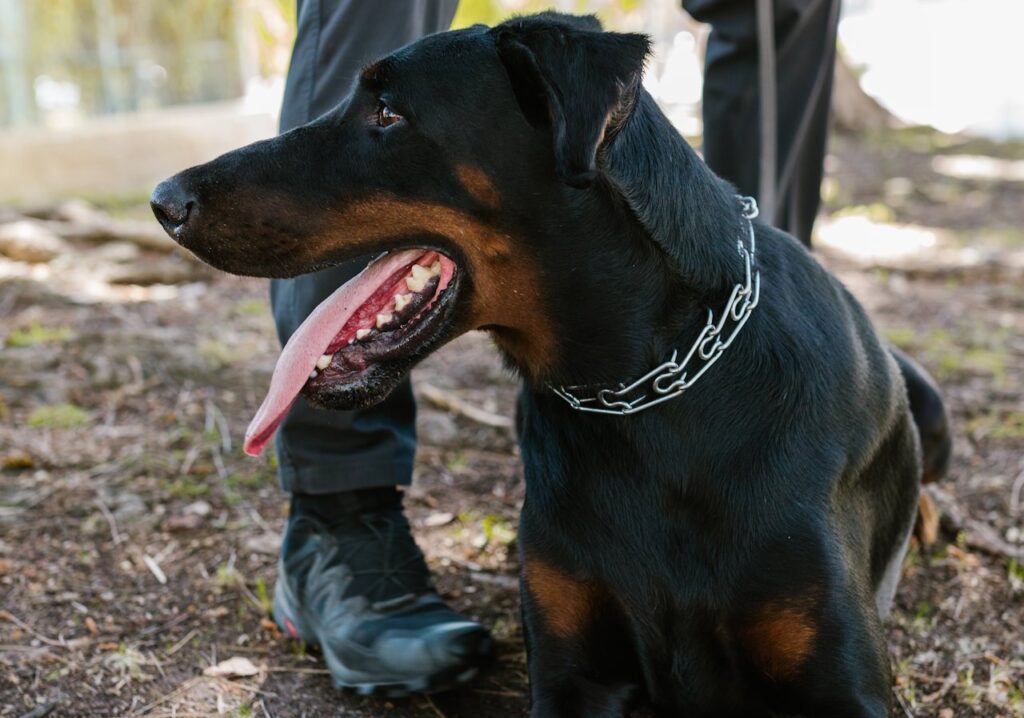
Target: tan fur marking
927 527
478 185
505 280
565 603
780 640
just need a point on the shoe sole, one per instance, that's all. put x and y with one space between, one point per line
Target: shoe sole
290 619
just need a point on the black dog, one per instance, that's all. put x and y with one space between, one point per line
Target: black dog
724 552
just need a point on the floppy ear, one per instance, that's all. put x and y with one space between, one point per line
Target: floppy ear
570 75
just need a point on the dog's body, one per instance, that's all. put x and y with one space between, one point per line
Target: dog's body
725 553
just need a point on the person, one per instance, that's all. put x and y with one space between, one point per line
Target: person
767 94
351 577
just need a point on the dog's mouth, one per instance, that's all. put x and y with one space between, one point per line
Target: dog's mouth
358 342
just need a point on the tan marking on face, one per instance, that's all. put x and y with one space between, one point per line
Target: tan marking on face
566 604
369 72
780 639
478 185
506 292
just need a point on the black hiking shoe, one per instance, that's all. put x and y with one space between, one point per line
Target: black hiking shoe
356 585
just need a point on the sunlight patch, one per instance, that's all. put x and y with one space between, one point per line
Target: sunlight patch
865 239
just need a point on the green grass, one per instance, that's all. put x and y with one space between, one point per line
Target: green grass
217 353
184 488
264 595
254 307
36 334
1010 426
58 416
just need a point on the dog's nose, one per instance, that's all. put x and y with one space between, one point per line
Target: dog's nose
173 205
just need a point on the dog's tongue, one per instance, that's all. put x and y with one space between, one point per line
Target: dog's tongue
299 356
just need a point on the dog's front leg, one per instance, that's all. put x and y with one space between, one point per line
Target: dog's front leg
572 672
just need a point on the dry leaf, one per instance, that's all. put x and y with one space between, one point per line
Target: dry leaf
235 667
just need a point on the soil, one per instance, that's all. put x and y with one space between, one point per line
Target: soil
138 544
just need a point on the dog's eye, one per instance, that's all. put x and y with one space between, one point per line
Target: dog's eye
385 116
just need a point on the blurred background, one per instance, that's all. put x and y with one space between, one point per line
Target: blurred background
75 71
138 543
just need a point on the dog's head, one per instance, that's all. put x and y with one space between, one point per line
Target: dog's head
470 158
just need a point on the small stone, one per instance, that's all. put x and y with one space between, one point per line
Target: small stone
199 508
436 428
267 543
438 518
128 506
27 241
182 522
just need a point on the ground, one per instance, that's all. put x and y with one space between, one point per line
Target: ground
137 542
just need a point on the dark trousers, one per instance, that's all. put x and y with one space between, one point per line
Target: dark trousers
325 451
805 52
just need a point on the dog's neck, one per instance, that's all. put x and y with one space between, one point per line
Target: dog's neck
686 209
664 253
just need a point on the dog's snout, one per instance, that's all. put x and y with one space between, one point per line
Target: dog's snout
174 205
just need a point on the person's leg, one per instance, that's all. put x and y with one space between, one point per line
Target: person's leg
328 451
805 50
351 577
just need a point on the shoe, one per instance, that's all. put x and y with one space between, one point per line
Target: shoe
352 580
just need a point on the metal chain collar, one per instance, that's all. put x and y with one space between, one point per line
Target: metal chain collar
672 378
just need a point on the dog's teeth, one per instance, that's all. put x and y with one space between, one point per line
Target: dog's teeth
383 319
402 301
362 334
323 362
313 374
415 285
419 278
435 268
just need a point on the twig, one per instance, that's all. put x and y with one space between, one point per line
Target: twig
223 427
903 702
505 694
154 568
287 669
1015 494
190 457
238 685
978 535
42 710
947 683
181 644
263 705
183 688
443 399
262 522
159 666
7 615
164 626
114 533
433 707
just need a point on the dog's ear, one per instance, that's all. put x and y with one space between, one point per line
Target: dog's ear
570 75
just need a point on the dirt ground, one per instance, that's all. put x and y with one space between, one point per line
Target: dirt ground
137 542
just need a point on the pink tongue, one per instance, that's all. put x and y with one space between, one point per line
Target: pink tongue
299 356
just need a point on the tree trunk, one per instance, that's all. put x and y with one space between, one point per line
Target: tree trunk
853 110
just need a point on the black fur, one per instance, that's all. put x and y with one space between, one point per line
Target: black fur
787 477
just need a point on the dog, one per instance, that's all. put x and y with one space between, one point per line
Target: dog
722 459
